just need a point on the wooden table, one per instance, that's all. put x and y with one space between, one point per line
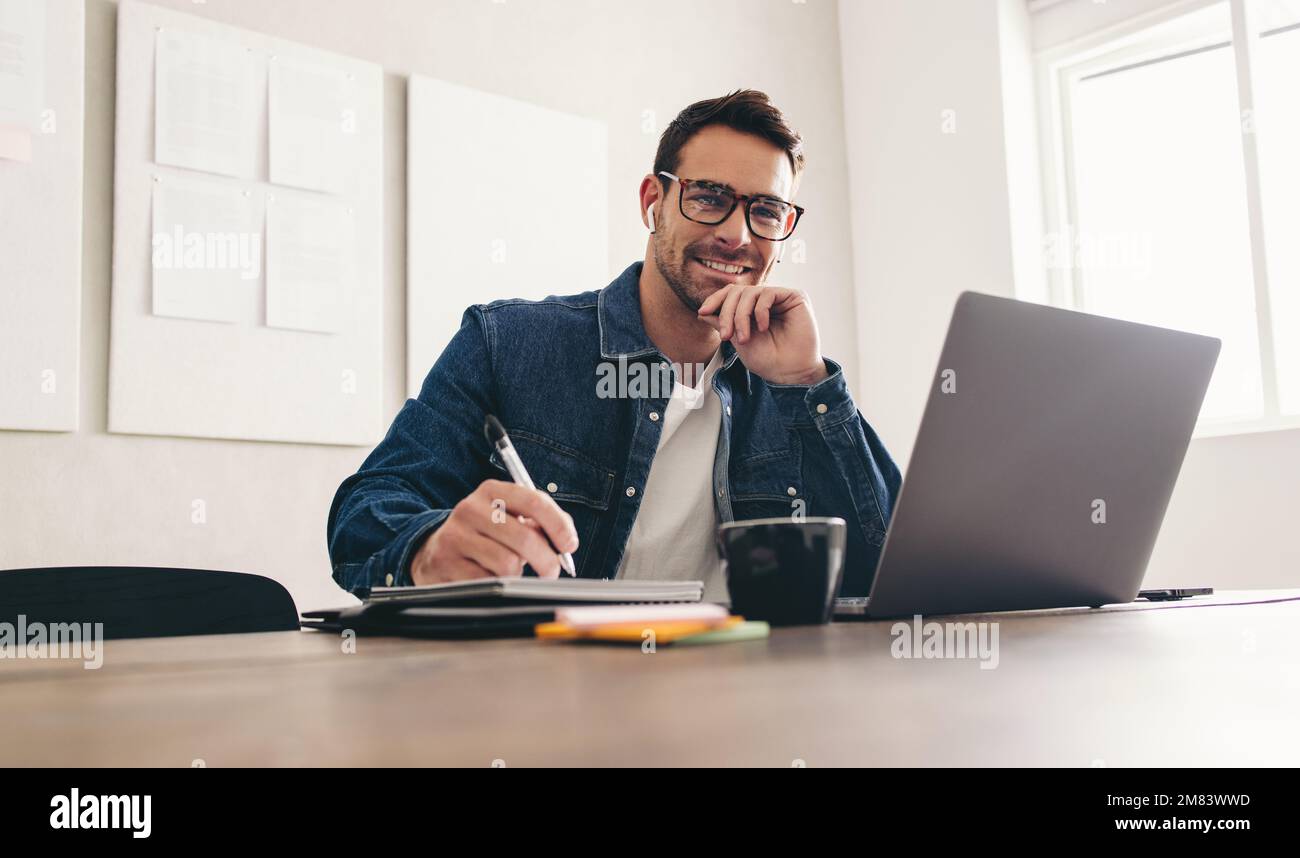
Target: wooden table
1129 686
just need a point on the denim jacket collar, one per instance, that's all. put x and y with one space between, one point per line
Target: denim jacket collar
622 333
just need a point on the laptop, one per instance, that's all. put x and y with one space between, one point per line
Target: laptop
1044 463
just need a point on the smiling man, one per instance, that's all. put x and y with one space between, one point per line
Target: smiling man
746 418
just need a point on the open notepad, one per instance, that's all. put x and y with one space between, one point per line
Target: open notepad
502 591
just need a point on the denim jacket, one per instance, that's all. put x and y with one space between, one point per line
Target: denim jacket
544 369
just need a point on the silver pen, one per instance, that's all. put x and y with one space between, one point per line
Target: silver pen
500 441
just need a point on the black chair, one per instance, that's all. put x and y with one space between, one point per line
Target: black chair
146 601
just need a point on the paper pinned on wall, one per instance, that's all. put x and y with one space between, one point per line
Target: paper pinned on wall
313 126
205 104
310 263
15 143
22 75
207 251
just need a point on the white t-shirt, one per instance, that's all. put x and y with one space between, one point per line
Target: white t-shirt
673 535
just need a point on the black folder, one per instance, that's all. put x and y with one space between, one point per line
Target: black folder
505 621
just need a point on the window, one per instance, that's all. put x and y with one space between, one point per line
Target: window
1173 160
1277 84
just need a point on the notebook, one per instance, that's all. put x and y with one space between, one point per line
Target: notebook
487 592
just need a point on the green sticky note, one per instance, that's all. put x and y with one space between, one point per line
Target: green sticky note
747 631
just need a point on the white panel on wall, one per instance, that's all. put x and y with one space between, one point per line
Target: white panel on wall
41 109
505 199
271 331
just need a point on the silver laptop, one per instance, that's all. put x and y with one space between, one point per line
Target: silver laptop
1046 456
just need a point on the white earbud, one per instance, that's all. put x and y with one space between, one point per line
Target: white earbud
650 213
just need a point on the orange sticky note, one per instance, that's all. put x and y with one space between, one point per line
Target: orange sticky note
663 632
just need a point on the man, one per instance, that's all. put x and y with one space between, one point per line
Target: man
687 392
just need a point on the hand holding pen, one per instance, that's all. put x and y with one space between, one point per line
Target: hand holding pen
498 528
500 441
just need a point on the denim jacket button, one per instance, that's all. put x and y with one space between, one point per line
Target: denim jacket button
821 408
792 491
552 488
388 580
728 410
654 416
631 491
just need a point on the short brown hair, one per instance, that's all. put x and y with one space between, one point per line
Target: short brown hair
746 110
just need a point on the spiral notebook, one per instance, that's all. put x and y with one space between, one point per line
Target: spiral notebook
486 592
488 607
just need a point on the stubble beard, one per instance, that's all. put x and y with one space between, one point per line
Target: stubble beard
689 291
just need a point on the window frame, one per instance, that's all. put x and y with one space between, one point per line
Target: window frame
1058 70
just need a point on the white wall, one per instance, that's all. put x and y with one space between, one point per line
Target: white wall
934 214
930 205
1057 23
91 497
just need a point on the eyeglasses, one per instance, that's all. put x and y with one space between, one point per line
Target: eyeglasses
709 203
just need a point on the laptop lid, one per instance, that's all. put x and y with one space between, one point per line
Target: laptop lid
1044 463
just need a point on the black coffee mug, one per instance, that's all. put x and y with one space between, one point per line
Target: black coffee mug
783 570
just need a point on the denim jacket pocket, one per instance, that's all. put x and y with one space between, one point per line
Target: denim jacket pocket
766 483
